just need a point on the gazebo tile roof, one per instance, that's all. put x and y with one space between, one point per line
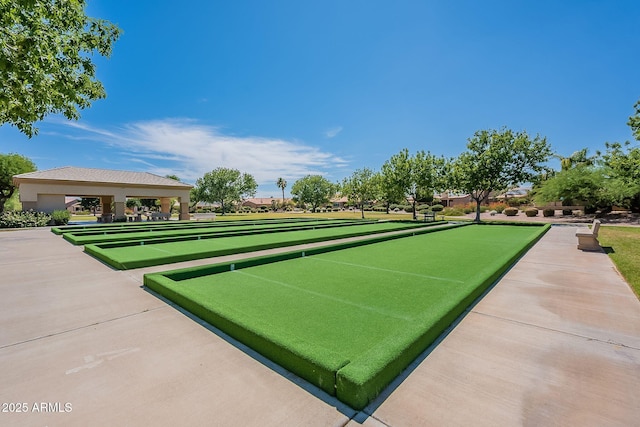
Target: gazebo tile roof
69 173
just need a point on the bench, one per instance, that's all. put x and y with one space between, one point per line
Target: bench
588 239
156 216
429 217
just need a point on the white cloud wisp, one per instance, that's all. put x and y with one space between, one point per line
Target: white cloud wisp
188 149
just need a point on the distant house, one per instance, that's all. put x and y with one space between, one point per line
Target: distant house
339 202
453 200
72 204
263 202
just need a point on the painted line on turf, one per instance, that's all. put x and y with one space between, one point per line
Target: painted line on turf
385 269
340 300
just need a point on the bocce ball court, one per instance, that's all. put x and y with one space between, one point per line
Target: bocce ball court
164 248
350 317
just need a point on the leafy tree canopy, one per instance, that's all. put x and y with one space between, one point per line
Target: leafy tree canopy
313 190
45 60
223 185
361 187
634 121
417 176
582 184
496 160
10 165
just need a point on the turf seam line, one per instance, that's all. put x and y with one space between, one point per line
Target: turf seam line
610 342
79 328
385 269
287 285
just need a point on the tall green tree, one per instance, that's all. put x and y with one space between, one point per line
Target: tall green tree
427 177
45 60
634 121
496 160
395 178
223 185
361 187
313 190
417 176
581 184
282 184
10 165
622 167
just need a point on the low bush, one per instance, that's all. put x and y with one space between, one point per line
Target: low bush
452 212
20 219
498 207
60 217
510 211
530 212
548 212
437 208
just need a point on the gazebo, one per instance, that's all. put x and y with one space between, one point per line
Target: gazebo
45 191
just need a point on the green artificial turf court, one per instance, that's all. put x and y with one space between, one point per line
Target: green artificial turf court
160 225
149 252
195 229
350 320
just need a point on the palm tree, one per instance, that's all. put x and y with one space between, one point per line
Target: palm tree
578 158
282 184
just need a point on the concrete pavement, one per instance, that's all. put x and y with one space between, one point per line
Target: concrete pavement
555 342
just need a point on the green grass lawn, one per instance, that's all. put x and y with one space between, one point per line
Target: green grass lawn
350 320
149 252
625 252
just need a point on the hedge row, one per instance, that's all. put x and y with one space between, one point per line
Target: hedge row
25 219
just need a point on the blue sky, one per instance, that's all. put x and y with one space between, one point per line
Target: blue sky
286 88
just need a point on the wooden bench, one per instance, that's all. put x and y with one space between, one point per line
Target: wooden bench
588 239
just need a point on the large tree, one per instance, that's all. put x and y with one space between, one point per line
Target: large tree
45 60
10 165
496 160
622 167
581 184
427 177
223 185
417 176
313 190
634 121
395 178
361 187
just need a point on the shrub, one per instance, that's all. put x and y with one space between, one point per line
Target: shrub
531 212
408 208
498 207
548 212
452 212
510 211
437 208
61 217
20 219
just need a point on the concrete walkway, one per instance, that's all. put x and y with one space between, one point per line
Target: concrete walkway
555 342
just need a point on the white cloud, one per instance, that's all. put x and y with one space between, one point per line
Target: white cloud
330 133
188 149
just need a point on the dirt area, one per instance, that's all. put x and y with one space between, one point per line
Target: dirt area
612 218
